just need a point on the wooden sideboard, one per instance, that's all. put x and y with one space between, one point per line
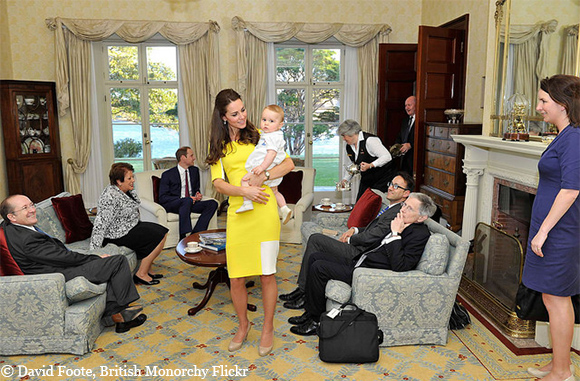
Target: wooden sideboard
444 179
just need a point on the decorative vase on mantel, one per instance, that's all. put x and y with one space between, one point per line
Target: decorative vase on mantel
518 128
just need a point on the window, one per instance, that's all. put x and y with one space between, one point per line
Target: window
309 87
140 89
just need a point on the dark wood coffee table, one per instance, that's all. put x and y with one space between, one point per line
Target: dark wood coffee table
207 258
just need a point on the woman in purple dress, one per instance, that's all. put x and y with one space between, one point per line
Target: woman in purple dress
552 264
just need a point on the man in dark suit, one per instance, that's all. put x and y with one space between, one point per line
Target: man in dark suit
37 253
406 136
355 240
400 250
179 193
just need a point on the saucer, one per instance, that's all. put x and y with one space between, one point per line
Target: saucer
340 207
193 249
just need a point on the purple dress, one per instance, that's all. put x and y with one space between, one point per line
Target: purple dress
558 272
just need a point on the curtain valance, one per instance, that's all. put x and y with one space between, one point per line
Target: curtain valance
354 35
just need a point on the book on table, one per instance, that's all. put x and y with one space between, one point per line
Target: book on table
213 241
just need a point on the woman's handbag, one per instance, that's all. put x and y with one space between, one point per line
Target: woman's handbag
530 306
349 336
459 317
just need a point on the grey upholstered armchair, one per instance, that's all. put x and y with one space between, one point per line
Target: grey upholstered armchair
412 307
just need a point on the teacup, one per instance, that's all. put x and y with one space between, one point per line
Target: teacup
339 205
325 201
192 245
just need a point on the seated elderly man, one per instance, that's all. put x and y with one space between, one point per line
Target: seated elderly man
400 250
355 240
35 252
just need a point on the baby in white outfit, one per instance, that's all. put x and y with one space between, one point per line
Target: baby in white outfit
270 151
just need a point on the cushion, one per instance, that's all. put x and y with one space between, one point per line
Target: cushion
435 255
73 217
291 186
8 265
365 210
80 288
156 181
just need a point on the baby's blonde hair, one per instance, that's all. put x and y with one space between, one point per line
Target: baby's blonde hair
277 109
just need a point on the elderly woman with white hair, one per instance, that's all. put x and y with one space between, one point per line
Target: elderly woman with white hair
369 153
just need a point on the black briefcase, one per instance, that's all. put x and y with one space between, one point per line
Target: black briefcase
352 336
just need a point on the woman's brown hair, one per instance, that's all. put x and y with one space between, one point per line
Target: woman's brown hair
118 171
565 90
219 138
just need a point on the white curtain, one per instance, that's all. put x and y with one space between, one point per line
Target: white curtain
569 52
199 65
530 59
251 52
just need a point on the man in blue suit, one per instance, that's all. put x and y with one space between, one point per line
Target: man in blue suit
179 193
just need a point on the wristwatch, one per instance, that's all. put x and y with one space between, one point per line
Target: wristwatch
267 175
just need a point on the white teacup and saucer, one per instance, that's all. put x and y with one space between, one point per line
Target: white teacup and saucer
325 202
193 247
339 206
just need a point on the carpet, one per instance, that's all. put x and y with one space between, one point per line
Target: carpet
174 346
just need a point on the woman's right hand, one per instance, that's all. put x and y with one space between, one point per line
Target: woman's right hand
256 194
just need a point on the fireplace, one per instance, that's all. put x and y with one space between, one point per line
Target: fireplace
506 172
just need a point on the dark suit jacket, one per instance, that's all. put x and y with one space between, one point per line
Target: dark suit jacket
402 254
371 236
407 159
37 253
170 184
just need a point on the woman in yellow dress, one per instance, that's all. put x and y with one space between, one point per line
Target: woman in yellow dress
252 241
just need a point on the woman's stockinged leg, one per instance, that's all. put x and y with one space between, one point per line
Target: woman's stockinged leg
146 263
240 301
561 314
269 297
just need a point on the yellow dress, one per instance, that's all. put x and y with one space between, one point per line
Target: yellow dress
253 237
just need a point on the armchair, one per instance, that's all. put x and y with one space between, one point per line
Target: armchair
412 307
299 199
154 212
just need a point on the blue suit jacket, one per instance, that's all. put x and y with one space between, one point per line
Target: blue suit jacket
170 185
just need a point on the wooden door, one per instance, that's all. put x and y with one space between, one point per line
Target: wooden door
397 78
440 83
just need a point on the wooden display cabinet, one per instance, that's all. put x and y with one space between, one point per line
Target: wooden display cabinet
31 138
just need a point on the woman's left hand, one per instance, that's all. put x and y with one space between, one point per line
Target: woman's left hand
537 244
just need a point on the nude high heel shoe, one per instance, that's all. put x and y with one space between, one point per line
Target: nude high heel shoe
543 373
235 346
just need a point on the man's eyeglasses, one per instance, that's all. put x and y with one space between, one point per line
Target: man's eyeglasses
25 208
397 186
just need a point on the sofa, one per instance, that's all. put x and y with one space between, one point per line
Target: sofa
152 211
43 313
412 307
298 189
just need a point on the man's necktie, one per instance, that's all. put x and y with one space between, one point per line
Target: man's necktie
187 194
381 212
40 230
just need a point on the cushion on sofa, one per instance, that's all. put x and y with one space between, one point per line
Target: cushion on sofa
365 210
435 255
80 288
73 217
8 265
291 186
155 181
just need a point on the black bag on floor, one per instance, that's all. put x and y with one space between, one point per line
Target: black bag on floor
352 336
530 306
459 317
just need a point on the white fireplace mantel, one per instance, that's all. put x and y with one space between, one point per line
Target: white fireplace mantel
488 158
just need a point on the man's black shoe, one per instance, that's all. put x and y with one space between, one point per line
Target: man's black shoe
309 328
298 320
125 326
296 304
292 296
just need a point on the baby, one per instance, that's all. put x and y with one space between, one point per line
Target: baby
269 152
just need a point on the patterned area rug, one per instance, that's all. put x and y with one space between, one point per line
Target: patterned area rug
174 346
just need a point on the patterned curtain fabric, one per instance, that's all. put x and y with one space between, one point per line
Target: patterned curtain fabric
199 64
569 56
251 39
